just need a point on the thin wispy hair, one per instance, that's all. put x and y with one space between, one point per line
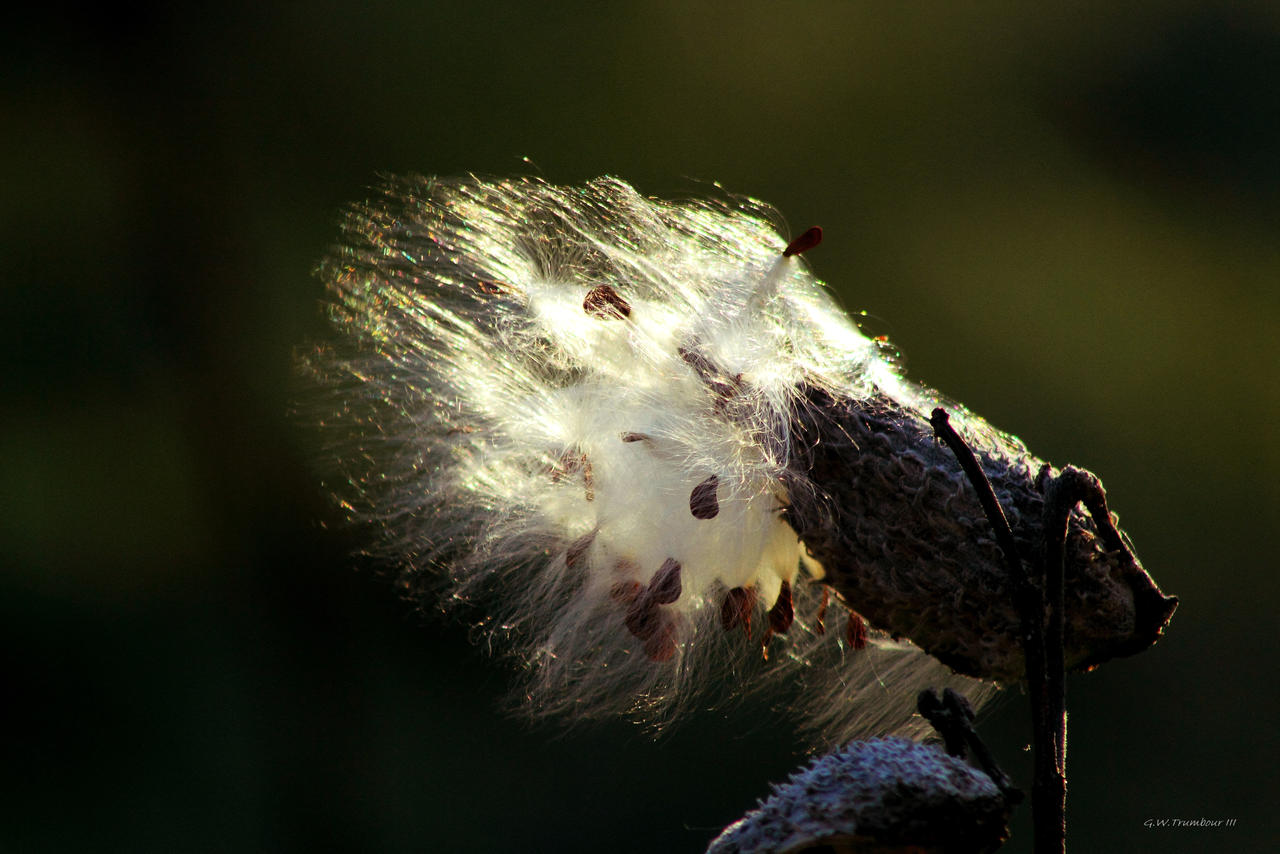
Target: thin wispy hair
544 398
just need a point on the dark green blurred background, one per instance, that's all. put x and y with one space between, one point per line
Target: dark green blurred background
1066 218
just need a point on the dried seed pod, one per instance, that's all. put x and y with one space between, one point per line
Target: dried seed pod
883 795
494 395
899 531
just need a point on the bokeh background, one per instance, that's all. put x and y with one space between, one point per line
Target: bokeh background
1064 216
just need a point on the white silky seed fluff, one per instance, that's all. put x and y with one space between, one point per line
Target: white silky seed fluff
533 455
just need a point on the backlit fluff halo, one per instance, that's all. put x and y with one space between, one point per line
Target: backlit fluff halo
569 410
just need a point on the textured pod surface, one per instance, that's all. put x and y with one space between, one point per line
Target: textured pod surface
881 795
621 435
901 534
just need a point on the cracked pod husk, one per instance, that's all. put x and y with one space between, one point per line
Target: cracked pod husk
898 528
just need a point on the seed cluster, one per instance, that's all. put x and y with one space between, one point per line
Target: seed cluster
644 617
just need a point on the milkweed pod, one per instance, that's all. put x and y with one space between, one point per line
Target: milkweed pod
882 795
869 481
605 428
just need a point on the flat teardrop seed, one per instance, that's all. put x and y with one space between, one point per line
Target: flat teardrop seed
578 548
642 618
626 592
661 645
855 632
736 609
819 622
811 238
783 613
723 386
605 303
665 587
703 503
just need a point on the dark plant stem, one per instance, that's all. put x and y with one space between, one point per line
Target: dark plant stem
952 717
1061 494
1041 644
